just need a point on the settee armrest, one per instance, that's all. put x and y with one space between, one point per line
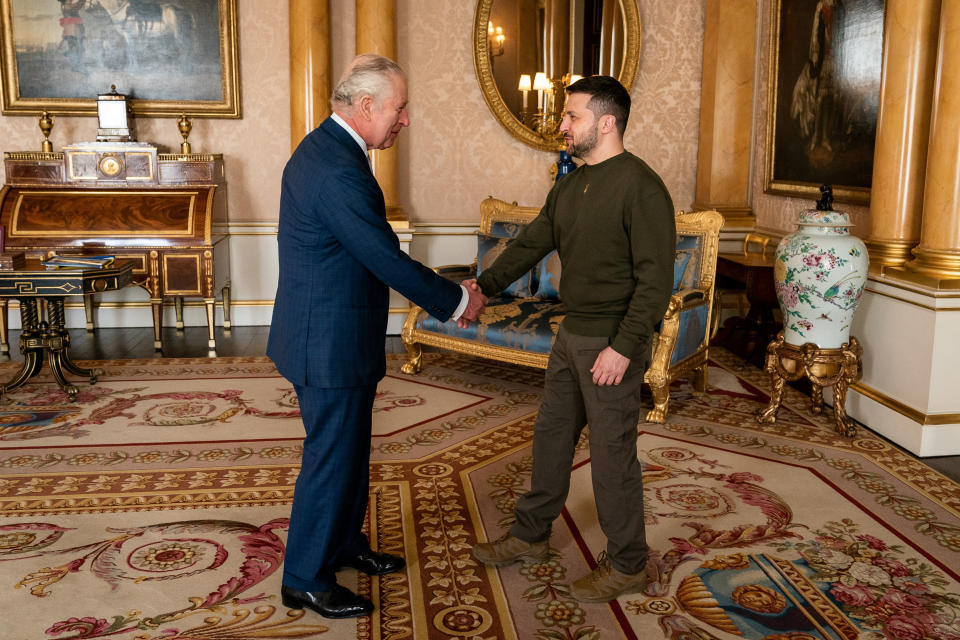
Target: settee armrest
457 272
684 299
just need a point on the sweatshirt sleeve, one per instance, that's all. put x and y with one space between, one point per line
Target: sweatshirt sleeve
534 241
652 231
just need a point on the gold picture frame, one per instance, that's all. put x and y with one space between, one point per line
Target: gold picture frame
58 55
823 101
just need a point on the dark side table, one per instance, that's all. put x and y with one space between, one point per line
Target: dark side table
46 335
748 337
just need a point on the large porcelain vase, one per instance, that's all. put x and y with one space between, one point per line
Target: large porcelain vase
820 271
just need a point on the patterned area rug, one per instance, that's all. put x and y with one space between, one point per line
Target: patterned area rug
155 508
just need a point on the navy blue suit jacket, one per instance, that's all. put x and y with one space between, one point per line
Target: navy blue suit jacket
338 258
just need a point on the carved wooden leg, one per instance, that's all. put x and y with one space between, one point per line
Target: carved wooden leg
842 423
88 311
4 329
32 363
716 313
226 306
56 340
56 369
415 362
210 304
178 310
769 415
660 388
70 366
29 316
31 350
816 399
156 305
56 317
699 378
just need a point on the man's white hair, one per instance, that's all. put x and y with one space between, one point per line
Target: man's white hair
367 75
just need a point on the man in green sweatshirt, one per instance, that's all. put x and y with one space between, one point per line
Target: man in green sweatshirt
612 224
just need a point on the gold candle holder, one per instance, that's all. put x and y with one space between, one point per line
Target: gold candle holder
45 122
184 125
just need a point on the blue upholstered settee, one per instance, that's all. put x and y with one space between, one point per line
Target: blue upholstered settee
520 324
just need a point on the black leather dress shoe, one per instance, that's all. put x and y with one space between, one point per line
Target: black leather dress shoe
375 564
338 602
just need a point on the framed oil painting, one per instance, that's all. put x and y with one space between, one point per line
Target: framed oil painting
169 56
825 58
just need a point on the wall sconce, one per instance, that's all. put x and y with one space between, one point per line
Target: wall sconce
495 40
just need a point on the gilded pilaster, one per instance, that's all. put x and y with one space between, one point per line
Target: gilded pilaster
937 259
310 72
377 33
726 110
903 126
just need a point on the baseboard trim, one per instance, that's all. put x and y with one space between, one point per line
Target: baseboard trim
921 418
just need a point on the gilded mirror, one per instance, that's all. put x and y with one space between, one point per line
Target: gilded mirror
526 51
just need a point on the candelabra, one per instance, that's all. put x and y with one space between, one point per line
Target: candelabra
545 117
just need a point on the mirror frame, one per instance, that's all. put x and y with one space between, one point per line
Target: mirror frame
481 62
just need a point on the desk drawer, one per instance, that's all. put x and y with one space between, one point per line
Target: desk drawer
182 273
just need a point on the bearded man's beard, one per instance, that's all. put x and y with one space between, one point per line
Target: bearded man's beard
583 146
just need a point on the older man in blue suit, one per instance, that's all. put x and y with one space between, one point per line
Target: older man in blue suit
338 259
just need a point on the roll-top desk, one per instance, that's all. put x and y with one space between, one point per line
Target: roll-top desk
127 200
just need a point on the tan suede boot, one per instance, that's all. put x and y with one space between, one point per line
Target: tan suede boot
507 549
605 583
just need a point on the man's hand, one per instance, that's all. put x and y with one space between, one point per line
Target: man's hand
609 367
476 302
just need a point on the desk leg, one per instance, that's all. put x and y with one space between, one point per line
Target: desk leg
178 307
226 306
32 363
30 345
4 329
88 311
156 305
210 303
59 345
57 341
56 368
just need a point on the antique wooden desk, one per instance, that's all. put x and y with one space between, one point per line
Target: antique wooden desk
47 335
127 200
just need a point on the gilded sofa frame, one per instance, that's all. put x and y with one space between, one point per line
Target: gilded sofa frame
659 375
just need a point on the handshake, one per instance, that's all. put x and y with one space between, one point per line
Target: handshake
476 303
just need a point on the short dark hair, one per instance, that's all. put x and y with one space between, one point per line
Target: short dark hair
607 97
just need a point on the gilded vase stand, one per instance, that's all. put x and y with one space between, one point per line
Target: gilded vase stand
836 368
33 285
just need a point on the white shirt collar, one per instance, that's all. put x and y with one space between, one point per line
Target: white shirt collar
353 134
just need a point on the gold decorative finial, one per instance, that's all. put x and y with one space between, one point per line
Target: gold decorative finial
46 126
184 125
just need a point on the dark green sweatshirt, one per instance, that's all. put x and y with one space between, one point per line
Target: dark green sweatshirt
612 225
